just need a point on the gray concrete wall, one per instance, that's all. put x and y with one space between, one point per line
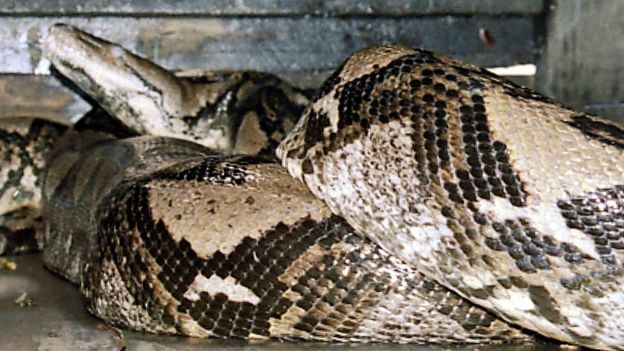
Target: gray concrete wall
270 7
302 41
274 43
582 63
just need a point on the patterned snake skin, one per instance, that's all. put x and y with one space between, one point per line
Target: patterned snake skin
449 196
232 112
174 240
248 252
24 144
237 112
499 194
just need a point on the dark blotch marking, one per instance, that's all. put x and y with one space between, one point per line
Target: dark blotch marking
330 82
214 170
545 304
306 166
38 140
599 214
596 129
276 250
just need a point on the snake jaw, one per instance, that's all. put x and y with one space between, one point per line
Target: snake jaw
100 69
151 100
143 95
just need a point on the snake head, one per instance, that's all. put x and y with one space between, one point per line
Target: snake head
242 112
143 95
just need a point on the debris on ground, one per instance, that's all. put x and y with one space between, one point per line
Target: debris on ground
7 264
121 338
24 301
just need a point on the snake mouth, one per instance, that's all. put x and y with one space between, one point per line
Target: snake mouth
83 58
98 67
71 49
126 85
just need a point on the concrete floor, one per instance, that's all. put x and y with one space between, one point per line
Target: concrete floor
58 321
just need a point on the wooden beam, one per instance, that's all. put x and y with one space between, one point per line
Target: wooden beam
44 96
39 96
274 44
269 7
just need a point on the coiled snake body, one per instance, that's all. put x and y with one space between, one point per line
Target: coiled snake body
447 192
495 192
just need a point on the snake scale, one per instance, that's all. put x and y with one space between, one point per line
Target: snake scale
421 199
24 143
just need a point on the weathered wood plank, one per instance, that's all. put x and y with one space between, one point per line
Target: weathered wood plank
274 44
44 96
41 97
270 7
582 62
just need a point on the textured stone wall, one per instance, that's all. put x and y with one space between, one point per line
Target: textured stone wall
302 41
582 63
